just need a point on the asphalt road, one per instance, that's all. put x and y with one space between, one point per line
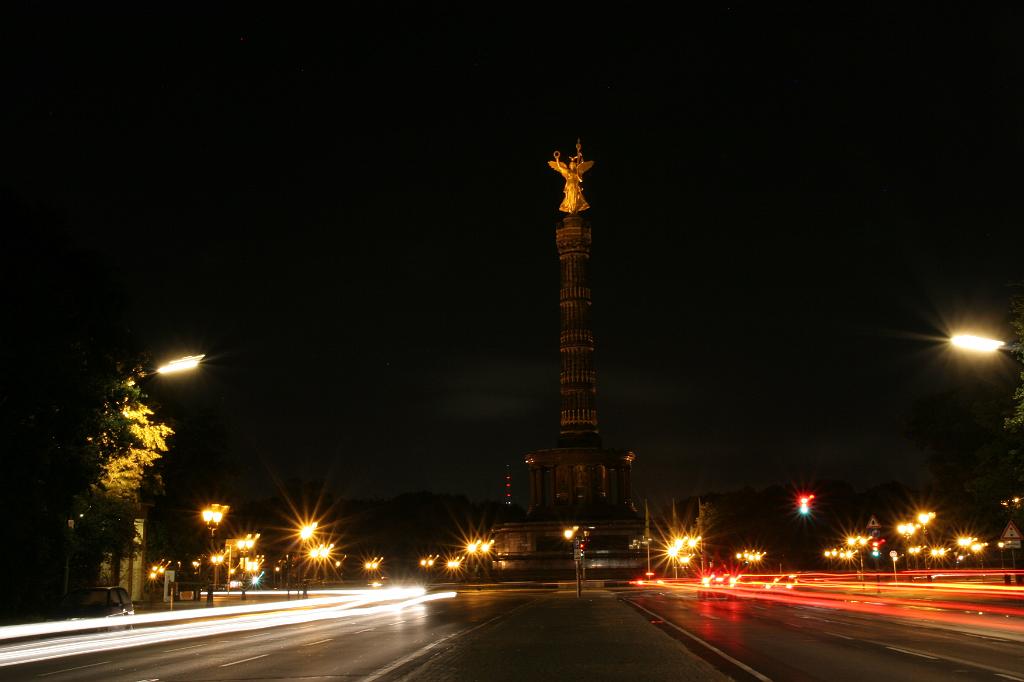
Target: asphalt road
745 638
366 647
761 639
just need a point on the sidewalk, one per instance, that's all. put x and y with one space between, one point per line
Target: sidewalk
561 637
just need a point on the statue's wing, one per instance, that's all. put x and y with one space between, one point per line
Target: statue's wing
584 167
559 166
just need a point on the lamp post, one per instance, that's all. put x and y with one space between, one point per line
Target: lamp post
372 566
859 542
320 555
216 560
477 551
915 552
244 546
672 552
212 517
924 518
306 533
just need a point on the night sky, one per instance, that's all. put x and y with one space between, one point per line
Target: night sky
353 218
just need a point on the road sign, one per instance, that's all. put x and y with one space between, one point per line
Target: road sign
1011 532
873 523
894 554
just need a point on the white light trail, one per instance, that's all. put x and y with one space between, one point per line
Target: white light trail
303 611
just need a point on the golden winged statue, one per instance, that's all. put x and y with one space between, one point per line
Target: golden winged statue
573 202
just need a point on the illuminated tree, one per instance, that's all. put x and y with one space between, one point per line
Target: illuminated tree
130 444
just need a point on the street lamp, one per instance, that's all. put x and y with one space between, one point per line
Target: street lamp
477 551
244 546
213 515
977 344
181 364
859 542
216 560
321 554
672 552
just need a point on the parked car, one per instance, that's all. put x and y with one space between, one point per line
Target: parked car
95 602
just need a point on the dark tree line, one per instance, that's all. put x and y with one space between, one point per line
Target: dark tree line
81 447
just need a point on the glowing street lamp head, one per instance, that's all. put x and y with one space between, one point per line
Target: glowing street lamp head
306 531
471 547
924 517
978 344
181 364
214 514
907 529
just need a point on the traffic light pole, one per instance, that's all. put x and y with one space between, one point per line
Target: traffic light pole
577 556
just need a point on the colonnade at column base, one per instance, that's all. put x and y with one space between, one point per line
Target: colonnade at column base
580 483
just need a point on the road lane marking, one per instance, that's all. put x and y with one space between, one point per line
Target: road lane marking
320 642
167 651
708 615
1009 677
991 639
381 672
911 653
960 661
245 660
823 620
739 664
77 667
363 630
836 634
258 634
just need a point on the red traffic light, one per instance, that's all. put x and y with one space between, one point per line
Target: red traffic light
805 503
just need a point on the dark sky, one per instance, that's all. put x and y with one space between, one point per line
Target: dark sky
354 219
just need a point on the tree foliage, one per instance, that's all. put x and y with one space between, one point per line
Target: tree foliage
1016 420
131 442
77 438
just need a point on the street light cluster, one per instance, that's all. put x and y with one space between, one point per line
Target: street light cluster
750 556
482 546
321 552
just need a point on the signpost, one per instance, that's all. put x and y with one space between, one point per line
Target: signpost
874 527
1011 538
894 555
